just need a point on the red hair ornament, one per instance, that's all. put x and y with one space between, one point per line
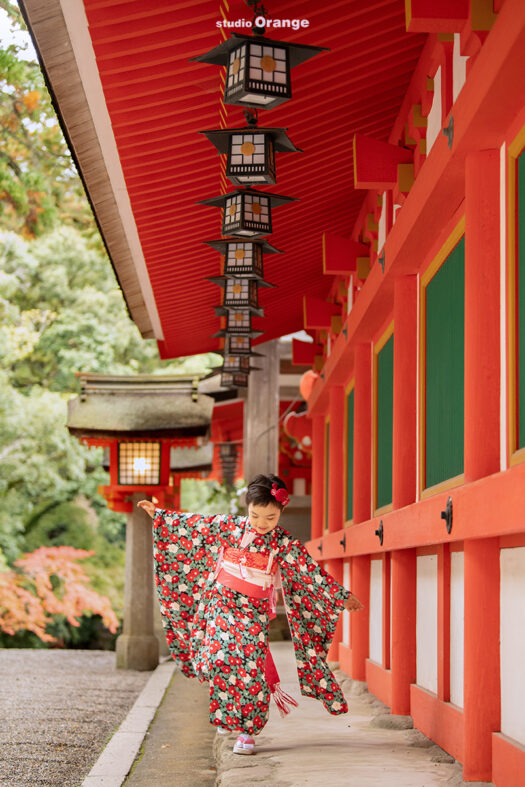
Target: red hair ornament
280 494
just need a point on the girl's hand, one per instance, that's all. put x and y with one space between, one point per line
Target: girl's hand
148 507
352 603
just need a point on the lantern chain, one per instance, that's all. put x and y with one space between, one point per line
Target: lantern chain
251 115
258 11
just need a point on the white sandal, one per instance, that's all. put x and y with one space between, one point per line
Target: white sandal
244 744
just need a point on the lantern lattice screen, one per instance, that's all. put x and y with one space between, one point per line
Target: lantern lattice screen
139 463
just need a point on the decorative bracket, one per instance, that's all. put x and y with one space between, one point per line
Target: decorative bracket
320 547
448 132
345 331
343 541
381 260
447 515
379 532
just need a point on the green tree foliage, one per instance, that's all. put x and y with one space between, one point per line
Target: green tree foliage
39 185
61 312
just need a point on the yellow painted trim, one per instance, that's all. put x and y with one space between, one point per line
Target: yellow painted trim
450 483
408 13
517 457
385 336
450 243
384 509
347 391
324 253
514 150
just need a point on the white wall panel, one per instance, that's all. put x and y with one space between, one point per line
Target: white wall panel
457 626
512 643
426 622
376 611
459 68
347 583
434 116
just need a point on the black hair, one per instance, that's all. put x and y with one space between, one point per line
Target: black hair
260 490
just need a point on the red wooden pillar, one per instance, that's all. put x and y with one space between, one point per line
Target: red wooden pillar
404 478
482 313
482 658
403 663
335 568
359 621
362 433
482 440
317 475
336 459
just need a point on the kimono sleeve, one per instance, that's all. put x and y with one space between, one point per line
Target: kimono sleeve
185 551
313 601
313 576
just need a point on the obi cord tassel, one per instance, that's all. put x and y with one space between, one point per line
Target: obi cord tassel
284 702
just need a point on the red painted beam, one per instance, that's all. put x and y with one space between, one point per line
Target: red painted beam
375 163
303 353
318 314
340 254
436 16
492 506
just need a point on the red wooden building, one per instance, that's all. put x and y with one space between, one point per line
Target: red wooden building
404 261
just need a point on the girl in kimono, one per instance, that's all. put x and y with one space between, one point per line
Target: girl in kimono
217 579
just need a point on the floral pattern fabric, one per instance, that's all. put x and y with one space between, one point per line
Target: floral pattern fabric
221 636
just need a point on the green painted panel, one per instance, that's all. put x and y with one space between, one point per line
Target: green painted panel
326 473
350 456
385 416
520 270
445 364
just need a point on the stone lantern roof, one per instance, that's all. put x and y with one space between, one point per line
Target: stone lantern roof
139 406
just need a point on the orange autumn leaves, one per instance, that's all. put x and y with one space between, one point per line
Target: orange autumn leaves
45 583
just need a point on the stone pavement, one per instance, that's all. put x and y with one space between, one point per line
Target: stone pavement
310 747
178 748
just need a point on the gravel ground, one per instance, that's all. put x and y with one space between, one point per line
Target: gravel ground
58 709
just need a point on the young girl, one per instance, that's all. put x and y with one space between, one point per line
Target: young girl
217 578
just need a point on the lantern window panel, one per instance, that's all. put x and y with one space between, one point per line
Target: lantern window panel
139 463
234 380
239 321
238 344
236 69
236 363
232 212
241 292
244 259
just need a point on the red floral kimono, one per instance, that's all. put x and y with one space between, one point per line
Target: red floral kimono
220 635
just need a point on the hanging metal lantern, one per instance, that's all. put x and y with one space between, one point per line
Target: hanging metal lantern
258 68
236 363
239 293
238 344
247 213
243 259
228 455
238 321
251 152
234 380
